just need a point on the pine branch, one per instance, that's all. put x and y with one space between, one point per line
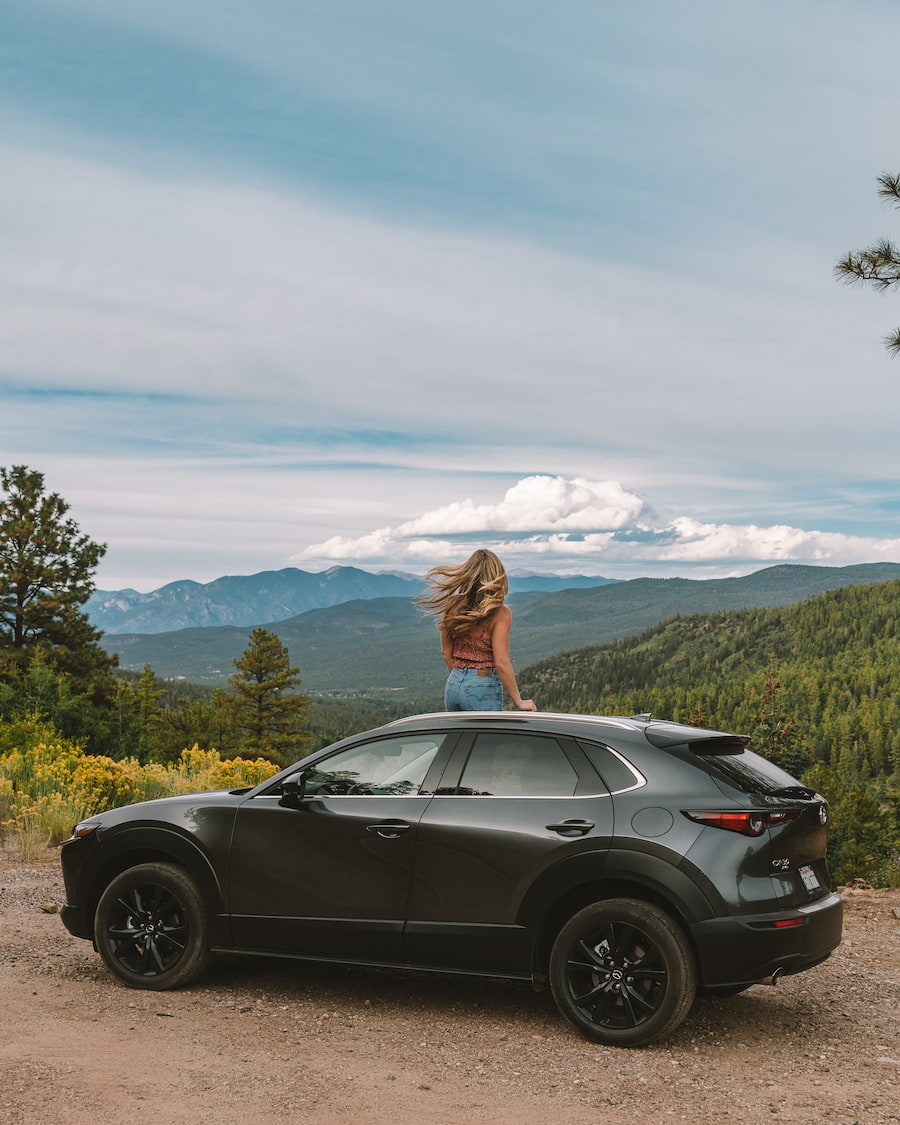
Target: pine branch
890 188
892 343
878 264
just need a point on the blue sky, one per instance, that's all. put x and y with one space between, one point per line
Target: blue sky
310 284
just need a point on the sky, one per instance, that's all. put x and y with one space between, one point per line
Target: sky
310 284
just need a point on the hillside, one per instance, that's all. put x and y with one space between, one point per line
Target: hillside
825 672
381 645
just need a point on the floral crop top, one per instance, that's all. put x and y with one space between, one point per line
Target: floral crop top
473 650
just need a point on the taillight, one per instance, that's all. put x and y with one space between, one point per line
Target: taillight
752 823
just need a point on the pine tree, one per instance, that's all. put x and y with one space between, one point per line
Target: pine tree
46 575
46 567
269 712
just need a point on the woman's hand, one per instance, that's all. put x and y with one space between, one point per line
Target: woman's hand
527 705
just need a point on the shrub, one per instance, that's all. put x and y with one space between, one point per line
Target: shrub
48 784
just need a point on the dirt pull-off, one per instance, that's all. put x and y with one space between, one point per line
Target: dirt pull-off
265 1041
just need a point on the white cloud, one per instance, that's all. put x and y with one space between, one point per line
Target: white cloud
535 503
598 526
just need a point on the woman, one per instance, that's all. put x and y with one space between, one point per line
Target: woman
469 602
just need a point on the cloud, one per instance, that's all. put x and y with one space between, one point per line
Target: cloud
597 526
535 503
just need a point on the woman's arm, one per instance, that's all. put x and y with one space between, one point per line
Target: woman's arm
502 662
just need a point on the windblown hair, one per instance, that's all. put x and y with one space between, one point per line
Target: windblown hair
461 597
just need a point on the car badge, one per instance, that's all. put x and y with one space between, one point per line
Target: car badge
823 814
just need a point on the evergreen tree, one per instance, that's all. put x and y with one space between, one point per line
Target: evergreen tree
208 721
46 575
50 654
269 712
139 714
777 735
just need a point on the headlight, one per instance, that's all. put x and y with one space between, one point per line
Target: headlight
85 828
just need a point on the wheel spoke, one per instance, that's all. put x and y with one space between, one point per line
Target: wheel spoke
640 1002
619 938
175 936
592 959
154 955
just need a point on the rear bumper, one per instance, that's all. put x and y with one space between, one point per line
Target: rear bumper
737 951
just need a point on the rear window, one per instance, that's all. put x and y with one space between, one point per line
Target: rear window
745 771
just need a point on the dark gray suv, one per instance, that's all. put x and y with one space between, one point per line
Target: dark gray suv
625 862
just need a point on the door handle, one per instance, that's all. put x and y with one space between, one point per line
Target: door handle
572 827
389 829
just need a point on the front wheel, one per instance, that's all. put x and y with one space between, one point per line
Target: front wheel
623 972
150 927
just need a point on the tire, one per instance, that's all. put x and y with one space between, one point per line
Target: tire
150 927
623 972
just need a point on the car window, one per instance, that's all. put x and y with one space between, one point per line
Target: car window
746 771
616 774
517 765
395 766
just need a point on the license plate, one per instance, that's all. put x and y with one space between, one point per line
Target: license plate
809 878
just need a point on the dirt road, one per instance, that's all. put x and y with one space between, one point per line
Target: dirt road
267 1041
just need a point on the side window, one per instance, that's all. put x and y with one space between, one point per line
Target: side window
391 766
617 775
517 765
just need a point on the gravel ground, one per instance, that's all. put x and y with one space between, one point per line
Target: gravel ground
271 1041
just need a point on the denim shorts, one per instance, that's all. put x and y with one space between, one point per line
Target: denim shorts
467 691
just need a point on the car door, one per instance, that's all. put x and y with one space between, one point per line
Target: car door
516 815
330 876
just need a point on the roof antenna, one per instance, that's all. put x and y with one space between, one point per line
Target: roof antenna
644 717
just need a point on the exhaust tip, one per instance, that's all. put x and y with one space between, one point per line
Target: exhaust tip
773 979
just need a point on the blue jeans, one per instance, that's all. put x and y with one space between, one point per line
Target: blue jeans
467 691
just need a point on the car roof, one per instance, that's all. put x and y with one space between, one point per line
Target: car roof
660 733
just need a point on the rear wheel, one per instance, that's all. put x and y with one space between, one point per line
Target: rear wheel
623 972
150 927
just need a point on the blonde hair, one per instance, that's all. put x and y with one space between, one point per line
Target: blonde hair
463 596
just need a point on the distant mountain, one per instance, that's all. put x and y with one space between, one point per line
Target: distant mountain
273 595
382 646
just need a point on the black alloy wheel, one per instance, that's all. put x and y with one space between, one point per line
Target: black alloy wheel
623 972
150 927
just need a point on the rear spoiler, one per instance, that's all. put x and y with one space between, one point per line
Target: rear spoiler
664 735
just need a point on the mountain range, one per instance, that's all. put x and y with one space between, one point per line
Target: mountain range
272 595
381 646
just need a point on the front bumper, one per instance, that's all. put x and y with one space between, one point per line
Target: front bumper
80 859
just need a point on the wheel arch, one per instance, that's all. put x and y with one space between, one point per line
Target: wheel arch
154 845
564 890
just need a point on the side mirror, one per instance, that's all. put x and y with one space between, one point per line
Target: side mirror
293 790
